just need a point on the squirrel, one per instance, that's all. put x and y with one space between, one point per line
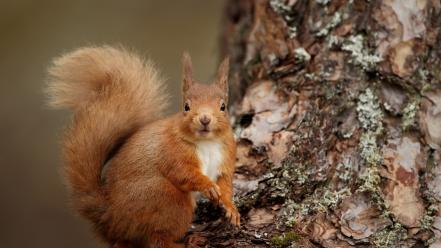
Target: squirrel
131 171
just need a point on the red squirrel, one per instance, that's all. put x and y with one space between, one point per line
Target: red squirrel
131 171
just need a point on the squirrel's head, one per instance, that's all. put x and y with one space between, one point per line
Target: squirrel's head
204 106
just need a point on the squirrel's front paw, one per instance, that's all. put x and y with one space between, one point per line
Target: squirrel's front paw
213 193
232 215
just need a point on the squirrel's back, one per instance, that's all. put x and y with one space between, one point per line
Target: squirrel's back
112 93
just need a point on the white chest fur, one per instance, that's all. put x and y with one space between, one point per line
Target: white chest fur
210 155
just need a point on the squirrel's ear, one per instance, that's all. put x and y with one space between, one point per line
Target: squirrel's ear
187 72
222 75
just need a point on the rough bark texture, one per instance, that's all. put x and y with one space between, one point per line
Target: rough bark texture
337 112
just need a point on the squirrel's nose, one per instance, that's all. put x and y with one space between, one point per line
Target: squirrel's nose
205 120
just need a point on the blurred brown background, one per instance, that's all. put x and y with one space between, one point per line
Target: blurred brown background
34 210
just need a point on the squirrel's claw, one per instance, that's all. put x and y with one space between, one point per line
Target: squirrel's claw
213 193
233 216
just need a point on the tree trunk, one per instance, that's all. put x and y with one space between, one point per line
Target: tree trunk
337 112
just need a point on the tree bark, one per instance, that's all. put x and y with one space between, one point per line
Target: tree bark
337 112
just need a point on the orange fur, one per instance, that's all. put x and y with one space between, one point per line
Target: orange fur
143 196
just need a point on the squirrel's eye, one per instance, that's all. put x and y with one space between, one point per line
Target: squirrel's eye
222 108
186 107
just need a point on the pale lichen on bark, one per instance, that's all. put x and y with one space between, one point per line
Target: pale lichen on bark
337 110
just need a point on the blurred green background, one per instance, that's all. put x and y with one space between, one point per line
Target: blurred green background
34 209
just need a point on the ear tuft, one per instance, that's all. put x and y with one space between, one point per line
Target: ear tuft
187 72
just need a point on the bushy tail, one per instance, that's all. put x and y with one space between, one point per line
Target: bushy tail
112 93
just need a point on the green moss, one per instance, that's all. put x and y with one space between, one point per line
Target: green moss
390 236
285 240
